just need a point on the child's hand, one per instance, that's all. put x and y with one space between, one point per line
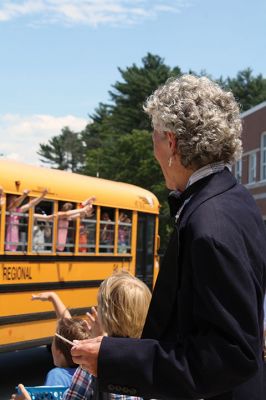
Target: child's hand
26 191
93 323
2 197
88 208
24 395
88 201
45 296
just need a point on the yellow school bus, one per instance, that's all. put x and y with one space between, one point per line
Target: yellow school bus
41 250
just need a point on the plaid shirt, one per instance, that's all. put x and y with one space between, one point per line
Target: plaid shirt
82 388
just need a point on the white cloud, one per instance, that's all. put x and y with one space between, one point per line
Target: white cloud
12 9
92 13
21 135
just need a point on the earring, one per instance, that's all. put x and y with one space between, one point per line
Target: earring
170 162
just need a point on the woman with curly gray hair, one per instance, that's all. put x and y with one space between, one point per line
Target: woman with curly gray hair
203 335
200 120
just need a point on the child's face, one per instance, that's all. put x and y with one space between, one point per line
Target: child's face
54 352
58 357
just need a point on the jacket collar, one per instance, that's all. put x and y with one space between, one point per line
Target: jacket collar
218 183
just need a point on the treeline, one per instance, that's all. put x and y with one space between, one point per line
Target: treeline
117 143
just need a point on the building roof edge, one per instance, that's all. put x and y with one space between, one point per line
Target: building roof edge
253 109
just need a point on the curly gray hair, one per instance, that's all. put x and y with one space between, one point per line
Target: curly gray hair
204 117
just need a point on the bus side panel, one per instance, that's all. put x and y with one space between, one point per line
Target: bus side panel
25 321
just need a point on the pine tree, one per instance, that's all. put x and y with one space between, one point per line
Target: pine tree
249 90
64 151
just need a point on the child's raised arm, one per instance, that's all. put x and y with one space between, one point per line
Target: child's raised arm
2 197
18 200
93 323
34 202
59 307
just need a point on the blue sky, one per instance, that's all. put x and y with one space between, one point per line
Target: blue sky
59 58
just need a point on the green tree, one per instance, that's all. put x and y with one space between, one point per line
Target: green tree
119 145
249 90
124 115
64 151
129 94
95 137
130 159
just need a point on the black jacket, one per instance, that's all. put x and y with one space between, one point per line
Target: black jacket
204 330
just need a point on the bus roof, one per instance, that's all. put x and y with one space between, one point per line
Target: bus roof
68 186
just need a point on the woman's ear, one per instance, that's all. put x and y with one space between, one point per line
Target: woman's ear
172 141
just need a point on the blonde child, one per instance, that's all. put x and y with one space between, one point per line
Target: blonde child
123 302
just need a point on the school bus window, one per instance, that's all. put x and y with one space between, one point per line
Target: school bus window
16 233
124 231
107 229
150 242
87 234
42 233
66 227
2 207
145 248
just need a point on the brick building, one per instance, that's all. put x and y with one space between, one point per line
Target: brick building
251 169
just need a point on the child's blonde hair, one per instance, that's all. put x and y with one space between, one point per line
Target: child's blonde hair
123 302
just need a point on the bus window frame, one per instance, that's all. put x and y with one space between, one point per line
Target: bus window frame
133 221
3 228
56 243
54 252
42 252
79 245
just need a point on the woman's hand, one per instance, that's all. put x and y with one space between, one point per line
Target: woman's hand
86 352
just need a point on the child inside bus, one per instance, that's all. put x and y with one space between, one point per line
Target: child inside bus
42 230
123 233
63 223
107 233
68 214
2 197
40 234
14 208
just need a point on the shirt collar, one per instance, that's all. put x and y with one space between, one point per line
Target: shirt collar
207 170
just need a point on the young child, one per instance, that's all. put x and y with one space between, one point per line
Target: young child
123 302
68 327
